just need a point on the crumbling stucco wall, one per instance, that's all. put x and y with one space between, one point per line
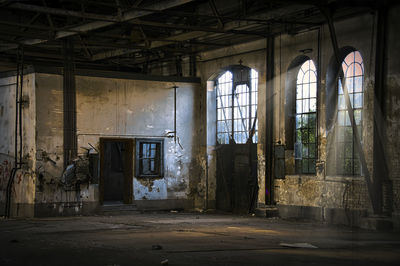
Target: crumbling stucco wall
53 196
392 111
139 109
117 108
327 193
23 190
322 190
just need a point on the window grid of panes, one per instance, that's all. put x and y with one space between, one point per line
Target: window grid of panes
224 107
306 116
236 109
149 163
348 162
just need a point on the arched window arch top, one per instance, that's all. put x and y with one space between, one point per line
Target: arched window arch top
307 73
353 69
306 119
236 96
225 77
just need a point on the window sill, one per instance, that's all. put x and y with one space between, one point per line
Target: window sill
149 176
344 178
309 176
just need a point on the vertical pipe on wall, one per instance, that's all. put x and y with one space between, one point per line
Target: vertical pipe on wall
69 107
18 130
269 182
380 172
20 106
175 87
206 203
16 114
319 67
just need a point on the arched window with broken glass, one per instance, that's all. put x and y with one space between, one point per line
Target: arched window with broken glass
236 93
347 159
306 117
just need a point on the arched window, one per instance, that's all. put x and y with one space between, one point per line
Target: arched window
236 93
306 117
346 156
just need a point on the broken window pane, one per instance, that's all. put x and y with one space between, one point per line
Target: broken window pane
149 158
243 99
298 121
313 105
299 91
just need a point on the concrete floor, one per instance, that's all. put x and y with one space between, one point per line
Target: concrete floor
189 239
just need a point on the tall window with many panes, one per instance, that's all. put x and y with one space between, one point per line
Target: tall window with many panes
306 117
237 107
347 159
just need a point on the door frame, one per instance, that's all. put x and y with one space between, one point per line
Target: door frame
128 176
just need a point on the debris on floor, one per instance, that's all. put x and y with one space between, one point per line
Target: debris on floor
297 245
164 262
156 247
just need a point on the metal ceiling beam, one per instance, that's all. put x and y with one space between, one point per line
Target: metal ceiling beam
267 19
101 24
194 28
64 12
216 13
155 44
198 34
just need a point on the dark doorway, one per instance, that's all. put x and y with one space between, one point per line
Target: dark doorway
237 185
116 170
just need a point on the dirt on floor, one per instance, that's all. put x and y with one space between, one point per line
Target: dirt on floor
177 238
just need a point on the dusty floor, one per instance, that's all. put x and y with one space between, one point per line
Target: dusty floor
189 239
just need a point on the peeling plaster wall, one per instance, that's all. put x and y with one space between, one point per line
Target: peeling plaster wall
321 191
52 196
392 84
23 191
127 108
331 198
120 108
49 144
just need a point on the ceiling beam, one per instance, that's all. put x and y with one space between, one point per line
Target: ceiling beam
261 19
159 6
155 44
229 26
194 28
64 12
216 13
